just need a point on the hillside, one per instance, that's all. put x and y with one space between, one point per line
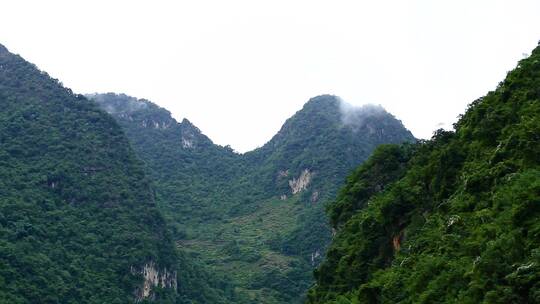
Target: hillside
78 219
450 220
256 218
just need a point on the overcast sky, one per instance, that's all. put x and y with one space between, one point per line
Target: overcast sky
238 69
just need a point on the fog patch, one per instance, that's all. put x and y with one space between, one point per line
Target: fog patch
357 116
118 103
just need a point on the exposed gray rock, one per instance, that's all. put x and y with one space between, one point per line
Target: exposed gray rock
300 184
153 277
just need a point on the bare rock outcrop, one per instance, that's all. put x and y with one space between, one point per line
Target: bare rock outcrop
188 142
300 184
153 277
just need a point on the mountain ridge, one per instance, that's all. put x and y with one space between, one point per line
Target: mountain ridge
206 189
350 114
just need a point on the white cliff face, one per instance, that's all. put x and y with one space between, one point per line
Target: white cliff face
300 184
153 277
188 138
315 256
187 143
123 115
148 123
315 197
283 173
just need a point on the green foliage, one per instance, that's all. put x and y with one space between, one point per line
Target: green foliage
386 164
76 209
225 208
456 220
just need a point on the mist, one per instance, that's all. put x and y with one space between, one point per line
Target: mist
355 116
130 105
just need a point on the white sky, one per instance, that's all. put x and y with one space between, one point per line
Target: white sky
238 69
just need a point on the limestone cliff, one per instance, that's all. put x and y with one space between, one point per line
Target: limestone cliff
297 185
153 277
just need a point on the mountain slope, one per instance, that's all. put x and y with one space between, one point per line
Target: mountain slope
192 172
189 173
78 221
257 217
453 219
326 139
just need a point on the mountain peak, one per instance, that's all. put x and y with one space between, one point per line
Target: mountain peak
323 99
327 120
3 49
357 116
331 112
132 111
322 103
189 127
335 107
187 123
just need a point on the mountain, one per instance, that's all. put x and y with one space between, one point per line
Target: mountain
78 219
451 220
191 172
321 143
255 218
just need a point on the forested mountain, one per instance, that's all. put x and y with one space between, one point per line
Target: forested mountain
451 220
78 219
320 144
257 218
108 199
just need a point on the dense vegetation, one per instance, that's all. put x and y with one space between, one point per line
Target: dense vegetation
451 220
237 214
78 219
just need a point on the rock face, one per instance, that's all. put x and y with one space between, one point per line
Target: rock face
283 173
187 142
315 197
189 135
315 256
153 277
297 185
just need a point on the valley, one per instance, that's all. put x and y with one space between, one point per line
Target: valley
106 198
257 217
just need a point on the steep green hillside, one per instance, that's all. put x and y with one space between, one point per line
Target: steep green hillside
323 141
450 220
78 218
193 174
258 217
